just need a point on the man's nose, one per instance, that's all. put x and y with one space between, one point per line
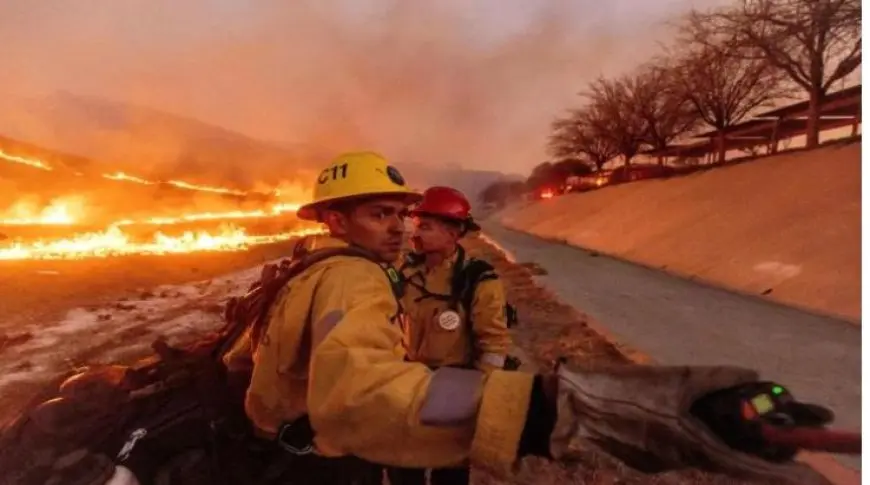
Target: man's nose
397 225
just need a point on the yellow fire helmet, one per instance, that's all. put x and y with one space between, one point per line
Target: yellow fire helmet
352 175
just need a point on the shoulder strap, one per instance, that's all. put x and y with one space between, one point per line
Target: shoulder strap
412 260
311 258
274 277
470 275
467 275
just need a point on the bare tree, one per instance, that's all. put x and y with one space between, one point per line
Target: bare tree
814 42
611 115
572 139
663 107
565 139
723 90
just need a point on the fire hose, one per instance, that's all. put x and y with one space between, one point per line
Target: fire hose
764 419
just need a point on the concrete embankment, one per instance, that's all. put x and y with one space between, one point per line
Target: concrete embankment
787 227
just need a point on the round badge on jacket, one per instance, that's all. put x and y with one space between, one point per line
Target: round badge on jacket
449 320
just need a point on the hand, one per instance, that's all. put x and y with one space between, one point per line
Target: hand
641 415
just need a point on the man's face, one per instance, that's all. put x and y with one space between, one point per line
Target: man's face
377 225
432 235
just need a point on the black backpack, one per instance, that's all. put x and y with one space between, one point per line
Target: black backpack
177 411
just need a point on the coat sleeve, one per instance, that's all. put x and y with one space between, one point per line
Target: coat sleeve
365 400
489 325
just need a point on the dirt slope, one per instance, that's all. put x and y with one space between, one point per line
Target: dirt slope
787 226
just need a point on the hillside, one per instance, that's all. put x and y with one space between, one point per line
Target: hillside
160 145
470 182
148 142
787 227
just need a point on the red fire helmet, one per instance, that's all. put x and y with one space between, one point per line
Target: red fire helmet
447 203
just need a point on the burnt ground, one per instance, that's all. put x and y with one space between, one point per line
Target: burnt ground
101 311
59 315
43 289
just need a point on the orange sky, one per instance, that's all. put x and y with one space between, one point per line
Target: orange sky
469 83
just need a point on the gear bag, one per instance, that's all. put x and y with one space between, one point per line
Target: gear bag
183 404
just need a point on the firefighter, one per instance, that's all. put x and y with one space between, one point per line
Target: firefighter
440 334
441 331
331 380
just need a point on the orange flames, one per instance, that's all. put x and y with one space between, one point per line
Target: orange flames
123 177
53 214
129 178
24 161
61 211
114 241
205 188
276 210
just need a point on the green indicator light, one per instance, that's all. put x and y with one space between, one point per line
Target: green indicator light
777 390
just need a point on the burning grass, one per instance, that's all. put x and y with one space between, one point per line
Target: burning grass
114 241
95 218
64 229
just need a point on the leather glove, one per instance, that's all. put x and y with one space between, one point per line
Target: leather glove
641 416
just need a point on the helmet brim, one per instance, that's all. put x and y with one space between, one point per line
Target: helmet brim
309 212
470 225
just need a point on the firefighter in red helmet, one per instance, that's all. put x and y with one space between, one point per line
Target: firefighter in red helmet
446 204
455 304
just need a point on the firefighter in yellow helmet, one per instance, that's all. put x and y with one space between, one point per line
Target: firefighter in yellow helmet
455 304
332 380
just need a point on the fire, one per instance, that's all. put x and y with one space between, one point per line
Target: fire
123 177
205 188
129 178
114 242
547 194
276 210
58 212
25 161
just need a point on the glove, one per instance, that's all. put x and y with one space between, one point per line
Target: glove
641 416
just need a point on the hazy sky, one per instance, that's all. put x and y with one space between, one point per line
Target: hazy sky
473 82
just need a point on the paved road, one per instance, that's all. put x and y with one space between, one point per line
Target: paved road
677 321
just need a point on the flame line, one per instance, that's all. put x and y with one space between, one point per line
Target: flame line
121 176
114 242
205 188
25 161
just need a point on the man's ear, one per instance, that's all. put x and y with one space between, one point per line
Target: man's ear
456 230
336 221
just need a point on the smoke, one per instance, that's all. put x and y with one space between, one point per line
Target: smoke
447 82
